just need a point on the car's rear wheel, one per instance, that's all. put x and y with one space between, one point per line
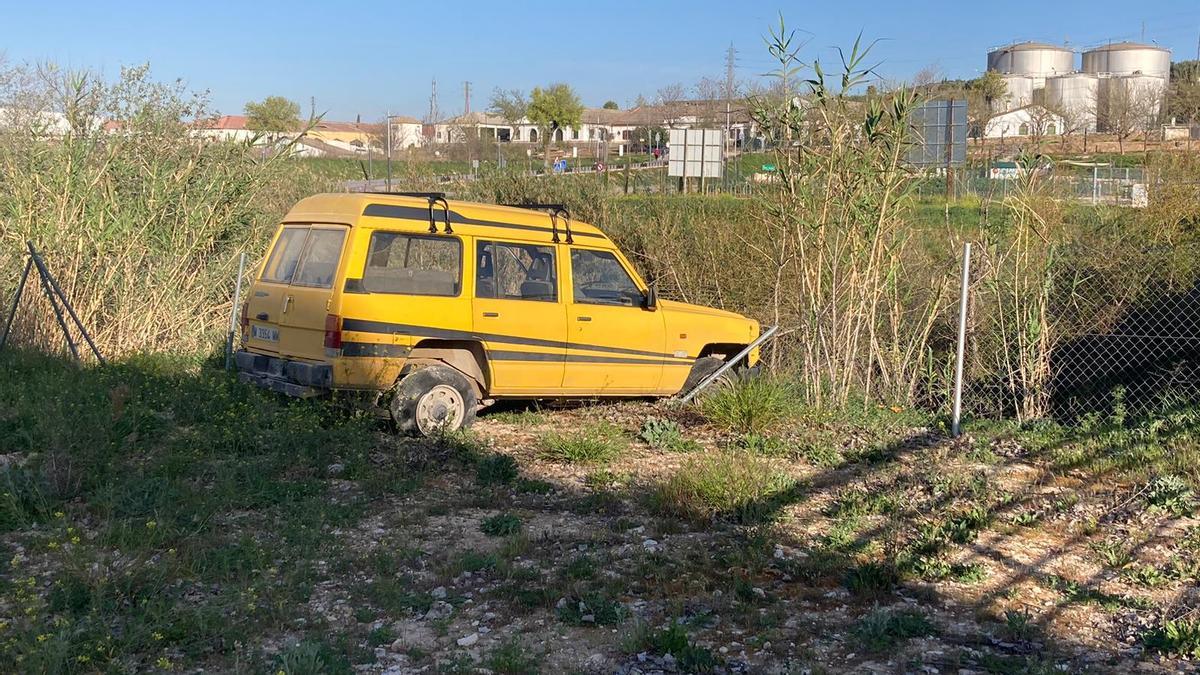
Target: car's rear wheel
433 399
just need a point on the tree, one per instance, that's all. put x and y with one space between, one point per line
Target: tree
272 116
1129 108
510 105
1184 97
553 108
611 105
670 98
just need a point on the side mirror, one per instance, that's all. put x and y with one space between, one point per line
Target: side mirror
650 303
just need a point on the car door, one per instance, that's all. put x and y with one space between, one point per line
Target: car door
306 301
520 315
614 345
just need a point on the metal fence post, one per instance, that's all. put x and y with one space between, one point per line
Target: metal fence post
955 427
233 313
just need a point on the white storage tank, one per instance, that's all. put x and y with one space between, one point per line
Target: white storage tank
1032 58
1128 58
1018 93
1074 97
1139 98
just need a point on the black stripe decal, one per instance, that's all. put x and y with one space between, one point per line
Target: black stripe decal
363 326
501 355
456 218
375 349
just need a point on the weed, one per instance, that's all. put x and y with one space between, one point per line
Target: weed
512 658
590 609
751 405
664 434
582 567
534 486
496 469
1181 636
1171 494
1146 575
726 484
764 445
501 525
474 561
672 640
1077 592
311 658
872 579
1114 554
1019 625
528 417
883 629
380 636
594 444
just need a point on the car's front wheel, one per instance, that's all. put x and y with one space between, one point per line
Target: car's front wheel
433 399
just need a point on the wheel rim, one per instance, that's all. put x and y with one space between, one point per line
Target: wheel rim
440 409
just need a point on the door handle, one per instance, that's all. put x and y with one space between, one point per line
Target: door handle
583 318
287 302
261 316
491 315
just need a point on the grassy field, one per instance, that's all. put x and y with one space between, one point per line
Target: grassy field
157 516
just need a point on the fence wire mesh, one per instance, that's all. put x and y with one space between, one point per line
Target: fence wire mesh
1094 341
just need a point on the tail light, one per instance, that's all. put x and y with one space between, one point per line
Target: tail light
333 331
245 316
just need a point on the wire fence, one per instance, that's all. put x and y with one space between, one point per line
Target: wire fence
1079 346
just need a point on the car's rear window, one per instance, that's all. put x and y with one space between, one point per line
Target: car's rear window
319 262
281 264
413 265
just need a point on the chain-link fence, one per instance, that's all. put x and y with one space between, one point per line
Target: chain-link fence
1053 337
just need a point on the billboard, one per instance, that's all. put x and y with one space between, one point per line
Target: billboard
938 134
696 153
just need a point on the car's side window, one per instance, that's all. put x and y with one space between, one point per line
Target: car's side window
413 265
515 272
598 278
281 264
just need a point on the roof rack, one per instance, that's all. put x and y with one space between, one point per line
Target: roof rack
555 210
434 198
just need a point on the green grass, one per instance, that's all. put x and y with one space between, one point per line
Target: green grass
597 443
728 484
664 434
501 525
751 406
673 640
1181 637
496 469
144 460
884 629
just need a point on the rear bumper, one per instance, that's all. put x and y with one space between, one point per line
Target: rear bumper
293 378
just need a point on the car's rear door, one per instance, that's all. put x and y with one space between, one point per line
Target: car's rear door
266 299
519 314
306 302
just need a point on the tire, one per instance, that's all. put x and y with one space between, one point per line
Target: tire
433 399
702 368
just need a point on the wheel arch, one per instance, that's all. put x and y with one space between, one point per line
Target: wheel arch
466 356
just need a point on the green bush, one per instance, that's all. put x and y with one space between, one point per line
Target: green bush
594 444
501 525
725 484
751 406
883 629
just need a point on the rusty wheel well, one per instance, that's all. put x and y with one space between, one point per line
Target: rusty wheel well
465 356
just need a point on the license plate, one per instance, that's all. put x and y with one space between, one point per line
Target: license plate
263 333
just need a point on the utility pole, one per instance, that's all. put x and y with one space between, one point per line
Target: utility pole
388 121
730 64
466 98
433 104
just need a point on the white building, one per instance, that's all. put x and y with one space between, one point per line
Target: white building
1031 120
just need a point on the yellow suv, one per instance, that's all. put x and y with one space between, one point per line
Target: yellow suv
435 308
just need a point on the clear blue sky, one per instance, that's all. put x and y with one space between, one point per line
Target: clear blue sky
365 57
